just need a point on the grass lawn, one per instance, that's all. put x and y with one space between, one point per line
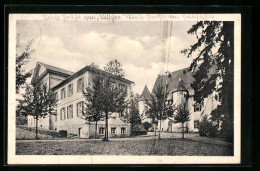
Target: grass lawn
22 134
173 147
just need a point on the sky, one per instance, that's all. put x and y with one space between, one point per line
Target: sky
137 45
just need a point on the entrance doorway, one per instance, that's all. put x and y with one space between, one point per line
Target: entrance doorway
79 133
169 126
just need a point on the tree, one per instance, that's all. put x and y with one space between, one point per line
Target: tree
38 102
93 97
132 115
214 67
113 100
156 106
106 97
182 115
21 60
114 67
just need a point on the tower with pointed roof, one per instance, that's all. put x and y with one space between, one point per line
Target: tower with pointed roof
180 94
180 91
146 95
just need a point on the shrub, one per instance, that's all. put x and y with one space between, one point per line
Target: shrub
213 131
139 130
227 131
203 127
21 120
62 133
207 128
147 125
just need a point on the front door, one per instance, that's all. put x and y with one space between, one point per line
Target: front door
79 132
169 127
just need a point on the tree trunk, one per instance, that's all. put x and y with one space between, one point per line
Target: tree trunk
155 129
106 133
96 130
36 128
182 130
132 127
160 126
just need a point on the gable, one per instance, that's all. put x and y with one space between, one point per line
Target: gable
38 71
41 70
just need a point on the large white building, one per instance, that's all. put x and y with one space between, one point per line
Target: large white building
67 87
178 84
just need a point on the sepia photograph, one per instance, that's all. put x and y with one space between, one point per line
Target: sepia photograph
124 89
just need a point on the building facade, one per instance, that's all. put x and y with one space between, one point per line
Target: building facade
179 90
68 87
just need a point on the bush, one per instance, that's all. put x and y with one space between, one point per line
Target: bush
180 129
213 131
62 133
203 127
207 128
21 120
227 131
147 125
139 130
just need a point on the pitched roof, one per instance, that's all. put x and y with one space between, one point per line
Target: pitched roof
91 69
181 86
180 80
53 68
145 94
173 81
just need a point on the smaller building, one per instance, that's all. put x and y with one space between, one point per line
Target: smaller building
178 85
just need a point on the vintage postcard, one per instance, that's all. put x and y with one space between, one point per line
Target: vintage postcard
124 89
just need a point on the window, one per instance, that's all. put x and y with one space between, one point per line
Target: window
196 123
197 107
63 93
80 85
80 108
56 96
62 113
56 116
101 131
216 97
123 131
70 111
123 87
113 131
70 90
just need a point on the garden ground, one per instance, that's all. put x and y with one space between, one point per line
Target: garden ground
174 147
170 144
